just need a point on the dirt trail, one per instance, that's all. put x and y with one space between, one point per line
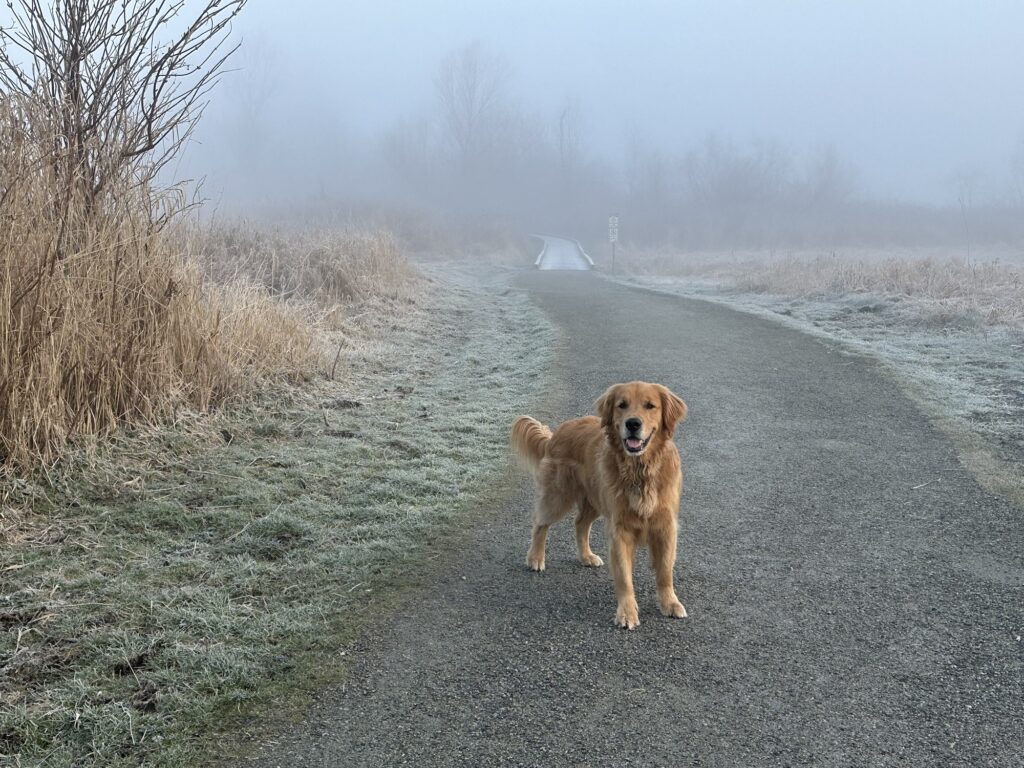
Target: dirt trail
855 597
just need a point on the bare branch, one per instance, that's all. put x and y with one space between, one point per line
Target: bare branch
121 99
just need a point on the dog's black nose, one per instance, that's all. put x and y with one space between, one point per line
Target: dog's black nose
633 425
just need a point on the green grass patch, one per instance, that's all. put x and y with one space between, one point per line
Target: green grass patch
183 582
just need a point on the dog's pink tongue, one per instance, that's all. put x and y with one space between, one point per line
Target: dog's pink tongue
632 442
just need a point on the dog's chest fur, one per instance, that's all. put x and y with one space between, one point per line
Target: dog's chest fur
637 485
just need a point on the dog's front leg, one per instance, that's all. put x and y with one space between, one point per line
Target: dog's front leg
663 558
623 548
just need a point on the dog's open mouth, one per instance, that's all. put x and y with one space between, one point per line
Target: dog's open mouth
636 445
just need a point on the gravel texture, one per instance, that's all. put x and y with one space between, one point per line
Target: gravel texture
855 597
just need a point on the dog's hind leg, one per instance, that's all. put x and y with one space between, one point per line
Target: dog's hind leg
538 540
585 517
551 507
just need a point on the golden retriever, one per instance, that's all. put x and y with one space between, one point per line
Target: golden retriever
621 464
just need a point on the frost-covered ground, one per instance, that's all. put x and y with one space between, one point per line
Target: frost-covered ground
966 373
215 568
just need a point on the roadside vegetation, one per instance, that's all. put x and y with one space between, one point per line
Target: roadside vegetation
223 447
933 285
176 581
102 316
951 329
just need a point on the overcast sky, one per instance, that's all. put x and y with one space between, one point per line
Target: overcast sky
910 92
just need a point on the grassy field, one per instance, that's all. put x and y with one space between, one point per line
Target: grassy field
951 331
169 585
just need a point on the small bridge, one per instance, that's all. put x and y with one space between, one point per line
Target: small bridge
562 253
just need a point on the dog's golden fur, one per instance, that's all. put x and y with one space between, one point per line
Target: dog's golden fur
621 464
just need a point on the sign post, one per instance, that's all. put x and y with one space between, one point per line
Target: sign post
613 236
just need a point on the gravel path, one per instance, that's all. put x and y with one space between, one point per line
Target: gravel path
855 597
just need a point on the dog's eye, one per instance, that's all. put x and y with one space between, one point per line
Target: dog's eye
649 406
623 404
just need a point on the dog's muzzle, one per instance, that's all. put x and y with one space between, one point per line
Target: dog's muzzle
636 444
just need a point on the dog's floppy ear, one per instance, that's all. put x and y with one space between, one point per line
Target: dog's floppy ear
604 406
673 409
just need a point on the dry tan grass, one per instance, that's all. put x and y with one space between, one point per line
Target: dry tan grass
987 292
123 328
323 264
109 310
992 292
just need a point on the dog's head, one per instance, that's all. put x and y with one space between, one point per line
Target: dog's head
636 414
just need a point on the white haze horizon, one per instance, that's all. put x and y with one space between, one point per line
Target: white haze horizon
917 98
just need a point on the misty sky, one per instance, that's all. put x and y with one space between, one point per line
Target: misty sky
910 93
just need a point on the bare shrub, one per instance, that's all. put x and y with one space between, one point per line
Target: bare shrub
113 99
102 316
122 327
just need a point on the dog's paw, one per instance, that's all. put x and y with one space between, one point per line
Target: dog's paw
591 560
673 608
627 616
535 562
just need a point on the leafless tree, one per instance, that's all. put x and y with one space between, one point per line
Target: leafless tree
470 88
119 91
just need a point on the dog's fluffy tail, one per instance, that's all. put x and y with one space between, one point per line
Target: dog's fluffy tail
530 440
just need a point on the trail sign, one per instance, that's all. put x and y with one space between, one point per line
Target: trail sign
613 236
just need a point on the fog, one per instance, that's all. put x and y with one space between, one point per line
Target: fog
702 123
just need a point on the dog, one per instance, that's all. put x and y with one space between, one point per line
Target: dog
622 464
